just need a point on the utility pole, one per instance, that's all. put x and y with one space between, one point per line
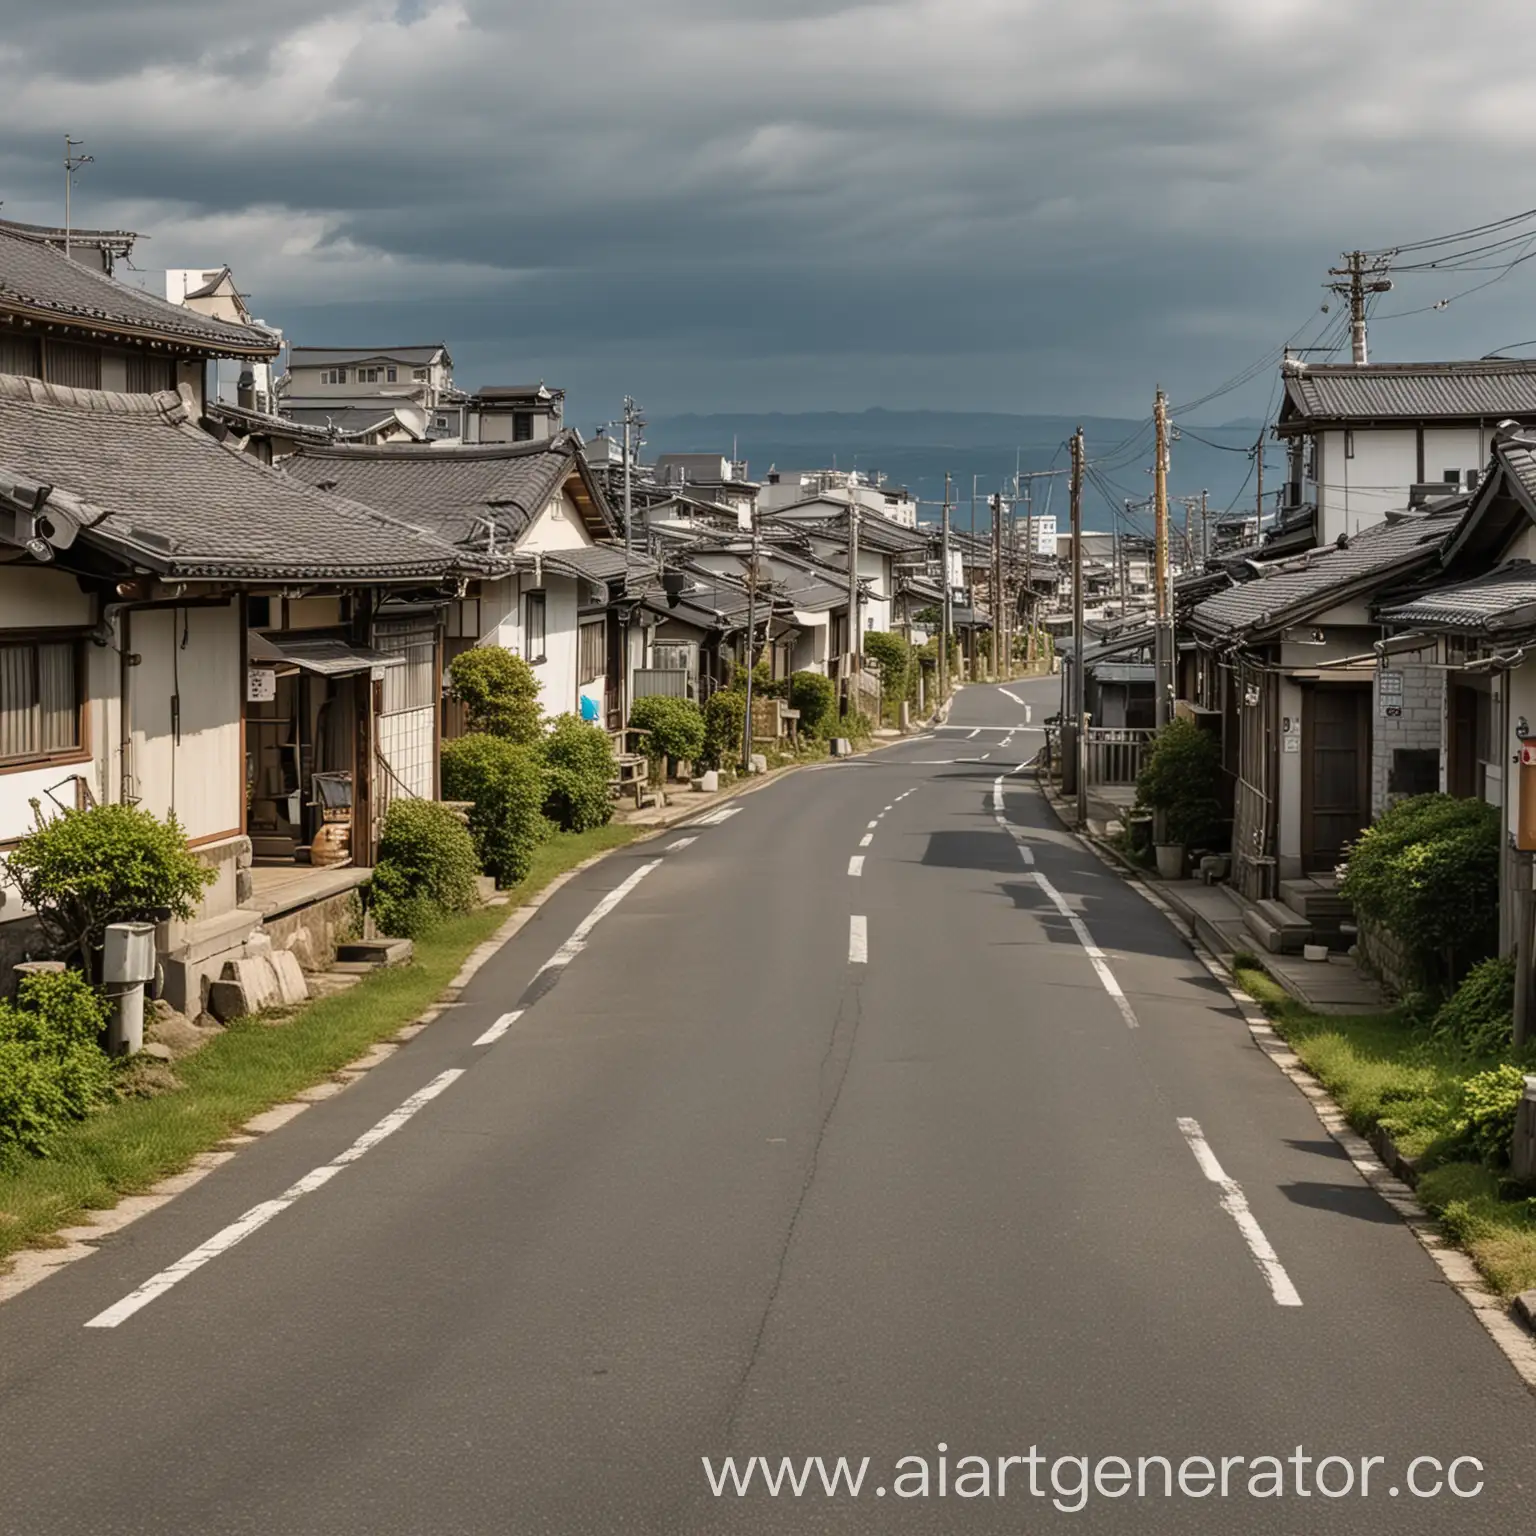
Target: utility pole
945 618
855 628
746 728
995 504
1079 692
1162 649
1359 281
72 163
1029 571
1205 528
631 420
1258 499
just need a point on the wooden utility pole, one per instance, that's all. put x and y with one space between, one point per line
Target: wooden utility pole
995 503
1162 646
945 617
1258 500
1079 692
1029 572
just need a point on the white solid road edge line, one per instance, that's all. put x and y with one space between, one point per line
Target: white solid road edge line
259 1215
1235 1203
577 942
856 864
1008 693
1092 950
858 941
500 1027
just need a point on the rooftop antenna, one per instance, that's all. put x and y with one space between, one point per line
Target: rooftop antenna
72 163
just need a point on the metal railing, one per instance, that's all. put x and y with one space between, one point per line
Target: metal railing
1116 753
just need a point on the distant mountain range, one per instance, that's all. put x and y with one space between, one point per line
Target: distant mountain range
915 448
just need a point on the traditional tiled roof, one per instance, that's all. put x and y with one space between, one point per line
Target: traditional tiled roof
601 562
457 490
39 283
161 494
1341 394
248 422
1291 590
1503 599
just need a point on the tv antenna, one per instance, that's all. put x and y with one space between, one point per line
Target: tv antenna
72 163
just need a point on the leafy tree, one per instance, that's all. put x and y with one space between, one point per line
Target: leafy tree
82 870
815 696
676 727
893 657
724 728
1181 778
499 692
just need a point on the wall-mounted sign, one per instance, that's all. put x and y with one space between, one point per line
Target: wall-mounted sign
260 685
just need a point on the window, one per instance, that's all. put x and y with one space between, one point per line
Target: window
40 707
146 375
369 375
533 627
419 375
413 686
1349 445
391 374
592 651
522 426
333 375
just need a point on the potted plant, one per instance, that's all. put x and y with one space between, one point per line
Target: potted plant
1179 786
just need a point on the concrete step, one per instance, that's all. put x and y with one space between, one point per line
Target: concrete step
372 954
1318 901
1280 930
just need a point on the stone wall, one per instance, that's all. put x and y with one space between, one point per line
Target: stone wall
1407 749
1386 958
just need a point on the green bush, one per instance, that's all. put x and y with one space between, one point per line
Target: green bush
500 694
1479 1018
676 727
1490 1102
51 1069
580 765
426 868
892 656
1428 871
724 728
1181 779
508 786
115 863
815 697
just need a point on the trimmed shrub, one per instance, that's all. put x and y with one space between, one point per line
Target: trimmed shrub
725 719
426 868
815 697
893 657
51 1069
676 727
1479 1017
1181 778
499 692
115 863
1490 1102
579 765
1428 871
508 786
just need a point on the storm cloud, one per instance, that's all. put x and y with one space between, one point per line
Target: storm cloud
753 204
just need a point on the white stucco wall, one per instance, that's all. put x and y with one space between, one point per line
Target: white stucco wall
500 622
1356 490
558 526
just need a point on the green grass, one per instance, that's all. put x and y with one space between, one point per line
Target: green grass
1384 1075
253 1065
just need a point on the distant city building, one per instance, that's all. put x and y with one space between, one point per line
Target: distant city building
786 488
1044 530
212 291
355 388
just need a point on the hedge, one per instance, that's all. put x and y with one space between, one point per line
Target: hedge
508 785
815 697
892 655
1428 871
724 728
426 868
51 1069
579 766
1181 779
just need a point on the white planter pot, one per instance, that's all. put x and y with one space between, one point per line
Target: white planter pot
1170 860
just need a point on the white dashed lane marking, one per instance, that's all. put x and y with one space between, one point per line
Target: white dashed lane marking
858 941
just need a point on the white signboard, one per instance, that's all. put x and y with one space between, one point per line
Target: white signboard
260 685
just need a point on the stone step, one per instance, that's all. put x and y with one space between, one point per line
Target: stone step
372 954
1317 901
1280 930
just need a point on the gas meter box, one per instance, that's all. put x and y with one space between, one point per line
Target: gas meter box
128 953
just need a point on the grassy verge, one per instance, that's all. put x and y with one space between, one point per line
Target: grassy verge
253 1065
1384 1076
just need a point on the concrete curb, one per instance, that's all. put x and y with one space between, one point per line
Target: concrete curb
1383 1168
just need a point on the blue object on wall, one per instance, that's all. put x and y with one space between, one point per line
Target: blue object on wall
589 709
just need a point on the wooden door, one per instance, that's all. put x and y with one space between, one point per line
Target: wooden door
1335 770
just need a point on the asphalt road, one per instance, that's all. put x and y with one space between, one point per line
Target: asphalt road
784 1160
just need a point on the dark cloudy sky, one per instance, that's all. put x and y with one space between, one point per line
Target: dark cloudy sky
1036 205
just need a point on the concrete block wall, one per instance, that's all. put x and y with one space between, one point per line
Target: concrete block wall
1420 727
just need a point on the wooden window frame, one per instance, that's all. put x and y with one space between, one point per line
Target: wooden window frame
83 752
536 599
